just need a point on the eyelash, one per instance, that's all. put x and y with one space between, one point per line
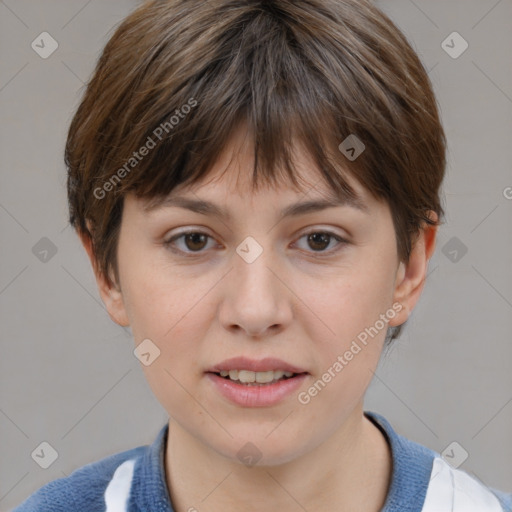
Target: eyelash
341 243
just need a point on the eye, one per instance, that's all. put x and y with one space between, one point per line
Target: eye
194 242
320 240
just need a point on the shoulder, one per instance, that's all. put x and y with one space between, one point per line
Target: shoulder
422 481
87 488
454 490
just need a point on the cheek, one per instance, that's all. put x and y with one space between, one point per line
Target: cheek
348 344
160 304
173 311
347 323
348 300
174 314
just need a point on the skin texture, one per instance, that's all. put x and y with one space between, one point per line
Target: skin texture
291 303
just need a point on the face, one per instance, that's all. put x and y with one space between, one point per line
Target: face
310 293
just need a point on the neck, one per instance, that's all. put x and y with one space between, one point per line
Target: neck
350 470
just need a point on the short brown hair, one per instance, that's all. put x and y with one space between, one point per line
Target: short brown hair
312 71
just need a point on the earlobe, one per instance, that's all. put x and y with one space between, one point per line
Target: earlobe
410 276
110 292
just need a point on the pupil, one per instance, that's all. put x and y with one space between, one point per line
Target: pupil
194 238
322 238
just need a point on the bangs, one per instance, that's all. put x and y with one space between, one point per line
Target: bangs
269 88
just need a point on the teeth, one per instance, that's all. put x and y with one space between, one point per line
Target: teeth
248 377
264 377
278 375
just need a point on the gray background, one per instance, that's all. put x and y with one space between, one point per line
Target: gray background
68 374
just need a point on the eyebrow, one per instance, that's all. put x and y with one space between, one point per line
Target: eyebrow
204 207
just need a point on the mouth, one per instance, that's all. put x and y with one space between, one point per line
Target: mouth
252 378
256 383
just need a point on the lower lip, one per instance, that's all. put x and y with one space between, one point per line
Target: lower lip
263 395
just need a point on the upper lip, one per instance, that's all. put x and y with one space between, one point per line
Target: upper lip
255 365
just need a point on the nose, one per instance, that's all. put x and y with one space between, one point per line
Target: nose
256 298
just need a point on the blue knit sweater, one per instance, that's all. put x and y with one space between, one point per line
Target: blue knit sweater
134 481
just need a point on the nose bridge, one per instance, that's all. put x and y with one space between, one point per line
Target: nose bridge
254 279
256 299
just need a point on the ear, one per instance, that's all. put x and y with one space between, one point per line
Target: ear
111 294
410 276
